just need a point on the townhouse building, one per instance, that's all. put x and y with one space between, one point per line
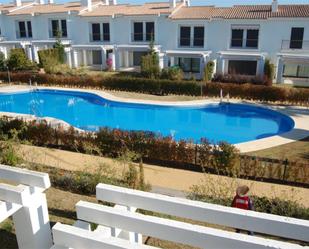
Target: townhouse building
238 39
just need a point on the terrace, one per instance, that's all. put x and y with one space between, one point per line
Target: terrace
120 226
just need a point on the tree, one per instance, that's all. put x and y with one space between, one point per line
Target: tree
208 71
150 63
60 47
2 62
269 72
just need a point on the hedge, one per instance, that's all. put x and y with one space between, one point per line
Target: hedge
222 158
159 86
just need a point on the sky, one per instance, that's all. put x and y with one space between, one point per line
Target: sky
203 2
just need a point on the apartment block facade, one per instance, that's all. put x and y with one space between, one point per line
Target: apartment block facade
238 39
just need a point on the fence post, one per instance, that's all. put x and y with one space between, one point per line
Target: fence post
286 163
195 156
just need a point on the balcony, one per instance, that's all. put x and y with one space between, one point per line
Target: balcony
98 37
142 37
245 43
58 33
295 45
23 35
191 42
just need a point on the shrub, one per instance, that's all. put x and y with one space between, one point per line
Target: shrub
208 71
238 79
8 155
48 58
18 60
172 73
226 158
269 72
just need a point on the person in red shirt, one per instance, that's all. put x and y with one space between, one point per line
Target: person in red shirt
242 201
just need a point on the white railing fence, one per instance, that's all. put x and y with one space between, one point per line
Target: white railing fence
120 227
27 203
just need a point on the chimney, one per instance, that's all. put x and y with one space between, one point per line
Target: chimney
186 2
274 6
17 2
172 4
39 1
112 2
87 3
51 1
106 2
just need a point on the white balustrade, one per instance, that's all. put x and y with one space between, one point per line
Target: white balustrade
27 203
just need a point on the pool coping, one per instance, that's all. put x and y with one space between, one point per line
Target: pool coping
300 115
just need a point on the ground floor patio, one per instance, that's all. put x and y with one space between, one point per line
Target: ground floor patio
290 67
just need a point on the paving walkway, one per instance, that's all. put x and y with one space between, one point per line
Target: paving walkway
173 182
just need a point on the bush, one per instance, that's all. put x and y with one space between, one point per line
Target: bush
18 60
208 71
172 73
48 57
238 79
269 72
274 206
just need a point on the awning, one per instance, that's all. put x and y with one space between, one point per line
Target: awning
187 53
92 47
242 54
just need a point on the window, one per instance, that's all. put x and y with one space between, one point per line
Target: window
191 36
106 32
97 57
96 33
198 37
297 36
185 36
245 37
252 38
149 31
64 28
22 30
59 28
55 28
138 31
296 71
29 27
143 31
242 67
189 65
25 29
237 37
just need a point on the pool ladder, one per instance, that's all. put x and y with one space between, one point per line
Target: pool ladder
222 97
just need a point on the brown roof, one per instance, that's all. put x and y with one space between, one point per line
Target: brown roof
197 12
8 7
48 8
242 12
130 10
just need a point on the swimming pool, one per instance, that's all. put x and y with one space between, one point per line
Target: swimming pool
233 123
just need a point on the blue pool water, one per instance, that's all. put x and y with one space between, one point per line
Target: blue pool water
234 123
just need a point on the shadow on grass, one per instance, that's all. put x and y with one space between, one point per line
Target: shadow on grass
63 213
7 240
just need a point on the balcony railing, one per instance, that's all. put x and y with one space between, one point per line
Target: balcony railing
98 37
142 37
295 45
191 42
56 33
245 43
23 35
